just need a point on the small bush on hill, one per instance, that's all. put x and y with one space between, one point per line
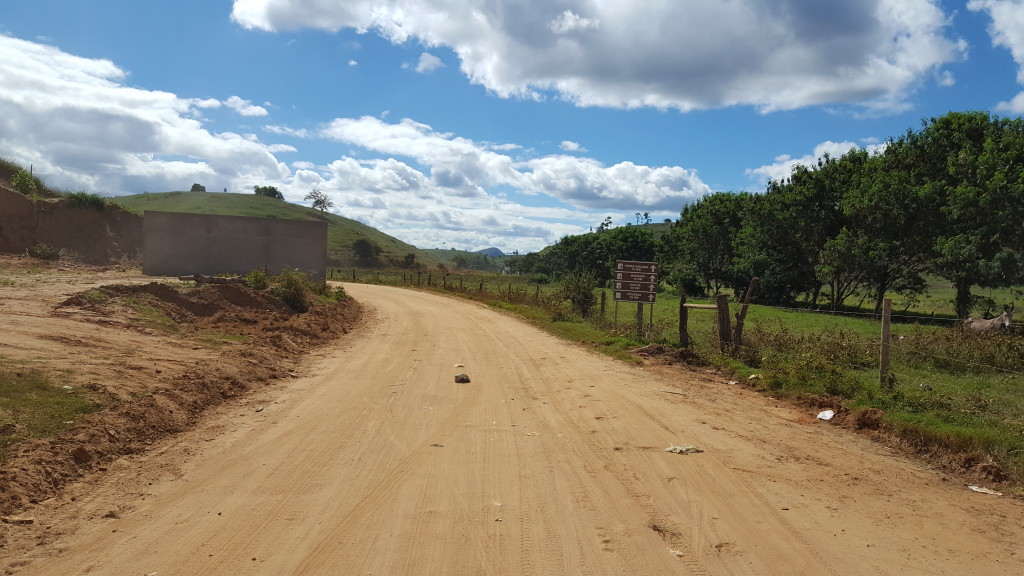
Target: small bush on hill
85 200
23 182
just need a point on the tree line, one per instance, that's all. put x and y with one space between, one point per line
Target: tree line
946 200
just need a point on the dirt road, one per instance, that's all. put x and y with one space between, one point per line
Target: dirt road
550 461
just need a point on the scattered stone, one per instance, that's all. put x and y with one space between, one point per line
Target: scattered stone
462 379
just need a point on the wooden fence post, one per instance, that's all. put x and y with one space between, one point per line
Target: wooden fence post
724 328
883 371
684 314
737 339
604 296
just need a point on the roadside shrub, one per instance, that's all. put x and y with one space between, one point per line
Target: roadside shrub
24 182
293 287
43 251
578 289
955 351
85 200
257 280
540 279
337 294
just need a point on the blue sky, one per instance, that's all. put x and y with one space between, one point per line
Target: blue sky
506 123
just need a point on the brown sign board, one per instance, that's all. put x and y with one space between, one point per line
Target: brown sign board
638 297
636 281
637 286
633 266
635 277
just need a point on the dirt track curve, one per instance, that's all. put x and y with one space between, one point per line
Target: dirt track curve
551 461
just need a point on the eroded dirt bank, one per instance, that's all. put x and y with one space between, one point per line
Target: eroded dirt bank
157 355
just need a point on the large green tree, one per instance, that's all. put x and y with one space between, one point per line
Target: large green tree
785 230
699 249
268 191
969 167
321 201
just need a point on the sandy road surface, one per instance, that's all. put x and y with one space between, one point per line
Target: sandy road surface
551 461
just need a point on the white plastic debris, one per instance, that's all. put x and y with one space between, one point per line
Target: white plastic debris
826 414
675 552
683 449
985 490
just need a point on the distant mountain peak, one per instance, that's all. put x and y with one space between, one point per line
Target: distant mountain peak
492 252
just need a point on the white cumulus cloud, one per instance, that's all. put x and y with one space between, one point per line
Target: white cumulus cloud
428 63
76 121
778 55
1007 31
569 21
245 107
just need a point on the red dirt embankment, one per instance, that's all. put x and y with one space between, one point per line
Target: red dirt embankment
81 325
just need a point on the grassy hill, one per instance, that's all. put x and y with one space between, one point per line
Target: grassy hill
341 232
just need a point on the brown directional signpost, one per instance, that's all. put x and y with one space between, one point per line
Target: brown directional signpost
636 282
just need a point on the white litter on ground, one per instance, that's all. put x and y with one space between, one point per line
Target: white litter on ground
683 449
826 414
985 490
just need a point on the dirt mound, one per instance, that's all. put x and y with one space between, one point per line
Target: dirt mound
239 339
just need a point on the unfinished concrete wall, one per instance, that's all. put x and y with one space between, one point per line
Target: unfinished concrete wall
93 236
177 244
